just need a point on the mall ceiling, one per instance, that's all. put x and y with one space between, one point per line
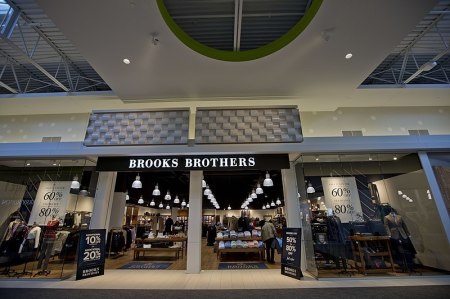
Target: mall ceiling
70 47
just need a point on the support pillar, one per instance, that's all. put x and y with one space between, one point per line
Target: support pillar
194 242
103 200
117 210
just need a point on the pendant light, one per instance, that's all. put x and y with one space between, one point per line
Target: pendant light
160 205
207 191
137 184
141 200
168 197
187 205
152 203
246 208
267 181
156 191
249 198
263 207
83 192
75 183
210 196
310 189
229 207
278 202
253 195
272 204
167 207
183 203
127 197
176 200
203 183
259 190
267 206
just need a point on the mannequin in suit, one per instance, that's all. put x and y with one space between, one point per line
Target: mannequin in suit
395 226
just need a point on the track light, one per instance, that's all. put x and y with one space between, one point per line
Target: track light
259 190
75 183
268 181
137 183
156 191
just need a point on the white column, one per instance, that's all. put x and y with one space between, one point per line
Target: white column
436 192
103 200
117 210
194 243
292 203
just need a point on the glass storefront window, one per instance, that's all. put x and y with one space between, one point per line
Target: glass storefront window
42 211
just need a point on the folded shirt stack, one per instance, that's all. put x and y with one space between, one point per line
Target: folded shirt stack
221 245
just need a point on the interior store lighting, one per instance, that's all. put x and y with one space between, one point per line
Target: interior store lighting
278 202
167 207
141 200
268 206
152 203
310 189
259 190
253 195
203 183
176 200
187 205
207 190
156 191
229 207
183 203
83 192
267 181
75 183
127 197
137 184
160 205
168 197
272 204
263 207
250 198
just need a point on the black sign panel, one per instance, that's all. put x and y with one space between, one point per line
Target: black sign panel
91 253
186 163
290 258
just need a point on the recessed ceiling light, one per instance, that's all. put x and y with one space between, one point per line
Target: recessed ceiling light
348 56
126 61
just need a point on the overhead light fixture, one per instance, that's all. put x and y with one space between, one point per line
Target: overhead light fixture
126 61
278 202
400 192
207 191
168 197
167 207
267 181
54 163
183 203
127 197
272 204
187 205
267 205
246 208
83 192
394 158
156 191
137 183
160 205
348 55
229 207
249 199
203 183
141 200
310 189
210 196
259 190
28 164
253 195
176 200
75 183
152 203
263 207
370 158
317 158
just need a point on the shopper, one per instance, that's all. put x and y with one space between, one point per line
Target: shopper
268 234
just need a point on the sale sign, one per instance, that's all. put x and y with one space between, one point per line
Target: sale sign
91 253
291 254
341 195
51 201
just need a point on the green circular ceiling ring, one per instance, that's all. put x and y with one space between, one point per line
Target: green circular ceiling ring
242 55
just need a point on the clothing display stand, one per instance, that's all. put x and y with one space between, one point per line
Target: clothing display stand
118 253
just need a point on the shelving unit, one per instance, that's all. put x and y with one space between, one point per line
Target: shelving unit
374 248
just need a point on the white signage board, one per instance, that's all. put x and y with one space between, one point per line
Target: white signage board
51 200
341 195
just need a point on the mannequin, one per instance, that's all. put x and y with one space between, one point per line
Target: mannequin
31 242
157 224
168 226
47 244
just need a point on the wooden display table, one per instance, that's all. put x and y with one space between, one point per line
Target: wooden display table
369 247
177 250
260 251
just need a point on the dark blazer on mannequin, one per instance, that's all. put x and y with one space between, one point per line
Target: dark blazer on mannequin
395 227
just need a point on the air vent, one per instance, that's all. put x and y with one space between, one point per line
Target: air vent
51 139
351 133
418 132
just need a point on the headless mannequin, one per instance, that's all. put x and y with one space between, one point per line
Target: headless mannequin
47 245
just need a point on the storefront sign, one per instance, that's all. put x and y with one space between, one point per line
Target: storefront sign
341 195
290 257
51 202
229 162
91 253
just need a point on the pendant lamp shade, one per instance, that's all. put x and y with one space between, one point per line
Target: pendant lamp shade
187 205
267 206
259 190
137 183
160 205
167 207
263 207
168 197
278 202
141 200
246 208
75 183
268 181
207 191
229 207
253 195
83 192
127 197
203 183
183 203
176 200
210 196
152 203
156 191
310 189
272 204
250 199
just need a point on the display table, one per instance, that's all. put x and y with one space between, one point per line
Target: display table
371 254
259 250
176 250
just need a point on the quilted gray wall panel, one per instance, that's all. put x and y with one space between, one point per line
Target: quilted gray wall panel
137 128
248 126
